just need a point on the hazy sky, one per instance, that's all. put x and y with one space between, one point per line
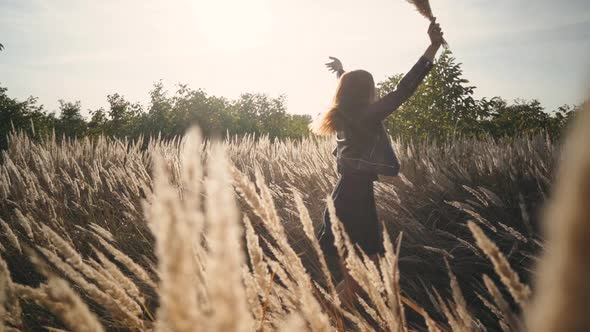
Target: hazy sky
86 49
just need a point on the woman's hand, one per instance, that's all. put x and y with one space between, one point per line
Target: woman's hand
436 40
435 33
335 66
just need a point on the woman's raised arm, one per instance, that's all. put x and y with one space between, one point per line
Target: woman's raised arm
379 110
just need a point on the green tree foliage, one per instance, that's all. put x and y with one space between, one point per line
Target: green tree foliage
166 115
71 123
26 114
444 106
523 118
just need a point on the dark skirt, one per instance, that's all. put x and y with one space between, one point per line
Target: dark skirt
354 201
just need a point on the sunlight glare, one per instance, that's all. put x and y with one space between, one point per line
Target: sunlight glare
233 25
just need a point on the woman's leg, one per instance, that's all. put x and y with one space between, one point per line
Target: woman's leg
326 237
367 235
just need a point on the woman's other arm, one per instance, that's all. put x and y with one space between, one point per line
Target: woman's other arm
335 66
409 83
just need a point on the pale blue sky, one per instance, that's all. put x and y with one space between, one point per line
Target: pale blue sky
86 49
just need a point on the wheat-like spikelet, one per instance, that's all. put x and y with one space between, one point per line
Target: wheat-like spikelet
259 278
501 304
24 222
252 290
113 270
72 310
293 323
265 208
454 321
3 296
62 246
391 277
460 304
37 295
57 297
431 324
563 290
312 310
227 296
10 308
126 261
102 232
175 235
73 258
116 309
255 253
307 223
372 313
494 309
339 309
53 329
12 238
519 291
423 7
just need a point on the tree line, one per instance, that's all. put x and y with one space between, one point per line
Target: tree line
444 106
165 116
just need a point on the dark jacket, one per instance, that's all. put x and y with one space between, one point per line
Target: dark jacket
362 142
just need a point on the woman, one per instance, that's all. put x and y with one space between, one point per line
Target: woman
363 151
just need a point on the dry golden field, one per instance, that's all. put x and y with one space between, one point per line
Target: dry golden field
187 235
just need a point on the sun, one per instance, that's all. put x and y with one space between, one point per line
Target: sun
233 25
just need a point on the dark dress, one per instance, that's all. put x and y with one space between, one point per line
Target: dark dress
354 202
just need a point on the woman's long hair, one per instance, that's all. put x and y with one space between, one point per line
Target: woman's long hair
356 90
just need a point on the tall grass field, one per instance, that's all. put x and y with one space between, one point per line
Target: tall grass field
203 235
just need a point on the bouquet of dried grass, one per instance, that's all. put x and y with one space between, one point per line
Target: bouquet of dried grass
423 7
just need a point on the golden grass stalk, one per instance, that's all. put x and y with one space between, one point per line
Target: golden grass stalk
562 285
3 296
293 323
72 310
75 260
98 230
225 255
24 222
460 304
502 305
494 309
297 276
431 325
119 277
9 234
454 321
175 235
390 275
423 7
57 297
129 263
307 223
117 310
10 308
254 302
519 291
